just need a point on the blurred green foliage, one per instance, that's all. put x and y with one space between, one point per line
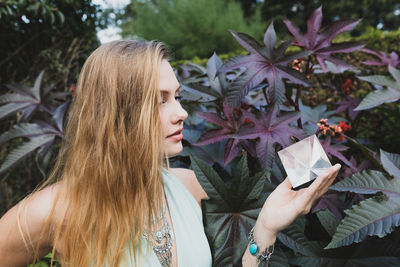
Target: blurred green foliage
51 35
190 27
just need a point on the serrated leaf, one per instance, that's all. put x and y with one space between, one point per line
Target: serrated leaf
229 128
379 80
242 85
389 94
228 222
270 40
378 97
294 238
24 150
11 108
369 182
213 64
257 182
248 42
210 181
372 217
381 261
320 42
16 98
264 63
278 259
391 163
240 176
270 129
23 130
384 59
328 221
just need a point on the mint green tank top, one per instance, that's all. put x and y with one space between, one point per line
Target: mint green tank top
191 242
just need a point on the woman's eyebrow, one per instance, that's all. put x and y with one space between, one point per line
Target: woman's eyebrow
166 91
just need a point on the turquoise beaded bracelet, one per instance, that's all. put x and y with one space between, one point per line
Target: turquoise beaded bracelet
253 249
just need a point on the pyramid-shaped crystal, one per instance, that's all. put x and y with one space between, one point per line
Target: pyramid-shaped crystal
304 160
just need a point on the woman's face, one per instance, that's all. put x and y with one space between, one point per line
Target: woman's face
172 114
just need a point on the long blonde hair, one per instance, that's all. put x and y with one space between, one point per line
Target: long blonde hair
109 165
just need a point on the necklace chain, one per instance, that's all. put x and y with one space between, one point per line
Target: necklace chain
162 240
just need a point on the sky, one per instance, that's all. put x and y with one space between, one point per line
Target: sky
111 33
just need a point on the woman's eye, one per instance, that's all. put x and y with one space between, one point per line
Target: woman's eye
178 98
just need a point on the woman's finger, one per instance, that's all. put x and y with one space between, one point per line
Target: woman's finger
322 183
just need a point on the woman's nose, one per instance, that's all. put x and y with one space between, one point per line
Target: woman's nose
181 113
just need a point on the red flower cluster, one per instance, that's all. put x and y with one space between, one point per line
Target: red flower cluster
333 129
73 89
296 64
347 86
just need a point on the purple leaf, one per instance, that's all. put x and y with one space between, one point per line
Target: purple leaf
326 37
270 130
25 100
295 31
384 59
356 167
335 150
270 40
263 63
332 202
229 128
320 42
231 150
313 25
248 42
349 104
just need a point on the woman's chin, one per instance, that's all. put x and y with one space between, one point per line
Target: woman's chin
173 150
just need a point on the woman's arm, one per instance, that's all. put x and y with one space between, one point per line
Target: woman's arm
20 238
282 207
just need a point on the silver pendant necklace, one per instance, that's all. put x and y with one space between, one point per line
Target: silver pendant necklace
162 240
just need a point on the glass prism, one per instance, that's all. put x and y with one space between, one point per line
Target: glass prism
304 161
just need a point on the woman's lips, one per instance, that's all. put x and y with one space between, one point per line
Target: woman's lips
177 136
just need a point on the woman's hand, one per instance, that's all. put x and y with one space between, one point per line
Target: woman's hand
284 205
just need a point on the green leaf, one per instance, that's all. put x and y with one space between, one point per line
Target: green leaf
378 97
210 181
381 261
278 258
396 75
24 150
229 213
294 238
259 182
369 182
372 217
379 80
391 163
61 17
328 221
240 176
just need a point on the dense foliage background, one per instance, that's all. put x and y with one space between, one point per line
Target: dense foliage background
336 77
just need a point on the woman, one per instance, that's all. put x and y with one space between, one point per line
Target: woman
114 201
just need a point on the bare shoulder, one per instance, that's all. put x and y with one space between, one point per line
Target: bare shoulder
188 178
21 227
